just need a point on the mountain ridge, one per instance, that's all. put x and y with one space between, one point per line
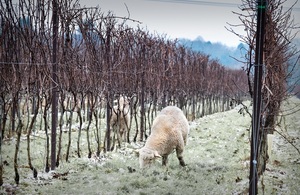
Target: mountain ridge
230 57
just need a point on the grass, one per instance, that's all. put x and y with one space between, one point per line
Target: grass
217 157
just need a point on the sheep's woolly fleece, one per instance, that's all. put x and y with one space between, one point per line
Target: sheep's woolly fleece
169 131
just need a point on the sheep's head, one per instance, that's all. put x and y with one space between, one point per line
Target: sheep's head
147 157
124 100
121 103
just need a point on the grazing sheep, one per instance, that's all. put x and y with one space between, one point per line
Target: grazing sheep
120 117
169 131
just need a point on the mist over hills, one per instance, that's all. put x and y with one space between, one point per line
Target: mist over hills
224 54
231 57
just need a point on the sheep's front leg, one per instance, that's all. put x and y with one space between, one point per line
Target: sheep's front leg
179 152
114 141
164 160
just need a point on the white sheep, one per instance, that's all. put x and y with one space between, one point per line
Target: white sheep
120 117
169 131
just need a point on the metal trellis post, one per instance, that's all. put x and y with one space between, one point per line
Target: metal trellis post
54 87
258 73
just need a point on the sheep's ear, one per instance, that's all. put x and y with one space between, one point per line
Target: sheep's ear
156 155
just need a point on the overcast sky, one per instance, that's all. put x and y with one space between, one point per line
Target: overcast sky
183 19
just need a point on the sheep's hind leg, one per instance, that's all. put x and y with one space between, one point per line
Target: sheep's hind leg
113 138
164 160
119 138
114 142
180 157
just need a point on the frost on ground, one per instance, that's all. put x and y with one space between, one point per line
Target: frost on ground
217 157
